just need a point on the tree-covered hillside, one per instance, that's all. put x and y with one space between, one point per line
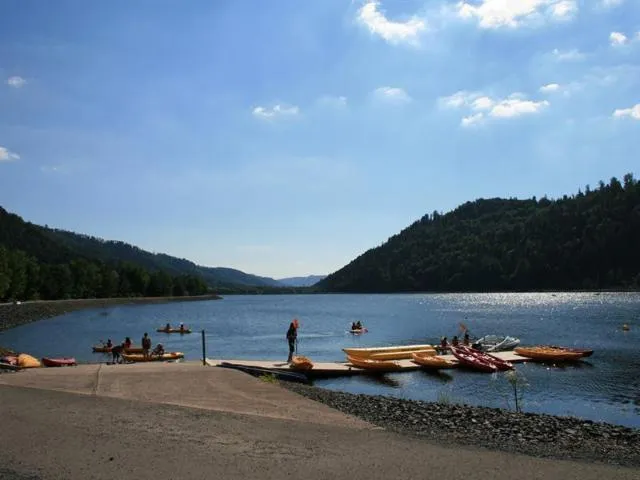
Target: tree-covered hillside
587 241
41 263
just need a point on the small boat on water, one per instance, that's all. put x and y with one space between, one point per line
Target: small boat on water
358 331
472 361
496 343
300 362
433 362
367 352
139 357
173 330
105 349
548 354
58 362
374 365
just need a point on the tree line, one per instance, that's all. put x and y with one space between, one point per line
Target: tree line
24 277
589 240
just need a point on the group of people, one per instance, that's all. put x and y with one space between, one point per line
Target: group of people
118 350
356 325
444 344
181 328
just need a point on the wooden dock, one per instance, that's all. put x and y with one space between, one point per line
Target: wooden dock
339 369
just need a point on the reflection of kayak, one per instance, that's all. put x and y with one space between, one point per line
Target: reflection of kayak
299 362
367 352
138 357
58 362
173 330
105 349
358 331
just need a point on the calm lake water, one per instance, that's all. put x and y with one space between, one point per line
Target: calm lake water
604 387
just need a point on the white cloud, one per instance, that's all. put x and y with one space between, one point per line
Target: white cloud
633 112
572 55
391 31
16 82
515 13
483 106
333 101
392 95
7 156
276 111
617 39
471 120
549 88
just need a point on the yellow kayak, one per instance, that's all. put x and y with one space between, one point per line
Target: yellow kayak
368 352
401 355
105 349
547 353
299 362
377 365
27 361
139 357
432 361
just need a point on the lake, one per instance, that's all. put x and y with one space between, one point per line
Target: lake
603 387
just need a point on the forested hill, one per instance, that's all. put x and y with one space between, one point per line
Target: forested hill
41 263
590 240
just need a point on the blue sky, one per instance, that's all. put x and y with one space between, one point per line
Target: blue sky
288 137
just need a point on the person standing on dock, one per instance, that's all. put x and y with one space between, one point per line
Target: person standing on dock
292 337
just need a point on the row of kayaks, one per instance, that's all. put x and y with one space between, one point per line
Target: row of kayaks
24 360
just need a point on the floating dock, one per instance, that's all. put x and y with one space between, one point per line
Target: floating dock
339 369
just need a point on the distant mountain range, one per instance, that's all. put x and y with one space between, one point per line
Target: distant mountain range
51 246
307 281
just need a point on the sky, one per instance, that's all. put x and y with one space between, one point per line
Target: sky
288 137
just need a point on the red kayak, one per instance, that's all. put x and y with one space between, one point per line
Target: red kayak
472 361
498 362
58 362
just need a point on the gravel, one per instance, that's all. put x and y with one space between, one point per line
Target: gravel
491 428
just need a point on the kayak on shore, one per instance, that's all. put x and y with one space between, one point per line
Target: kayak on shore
139 357
58 362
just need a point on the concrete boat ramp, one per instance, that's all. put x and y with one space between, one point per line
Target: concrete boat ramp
339 369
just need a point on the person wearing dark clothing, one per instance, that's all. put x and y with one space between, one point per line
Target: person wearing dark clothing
465 340
454 342
146 344
116 352
292 336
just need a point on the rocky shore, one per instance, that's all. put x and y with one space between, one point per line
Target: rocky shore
12 315
495 429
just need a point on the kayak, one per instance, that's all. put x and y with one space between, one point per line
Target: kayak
547 353
27 361
358 331
105 349
586 352
498 362
432 361
138 357
173 330
299 362
377 365
401 355
58 362
367 352
473 362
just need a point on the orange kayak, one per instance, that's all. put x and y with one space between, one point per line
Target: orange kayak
299 362
432 361
548 353
377 365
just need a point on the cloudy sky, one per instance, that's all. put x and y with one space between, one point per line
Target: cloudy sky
287 137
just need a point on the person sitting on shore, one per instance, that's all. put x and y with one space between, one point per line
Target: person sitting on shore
146 344
127 343
454 341
444 344
159 350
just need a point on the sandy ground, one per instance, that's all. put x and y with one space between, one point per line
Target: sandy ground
195 422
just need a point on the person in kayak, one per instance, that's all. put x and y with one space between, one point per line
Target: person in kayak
108 344
444 344
353 326
455 341
168 327
466 341
292 336
181 327
159 350
146 344
358 325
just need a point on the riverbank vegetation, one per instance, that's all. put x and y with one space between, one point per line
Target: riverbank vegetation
586 241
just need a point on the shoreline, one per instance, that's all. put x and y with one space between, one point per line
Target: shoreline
13 315
494 429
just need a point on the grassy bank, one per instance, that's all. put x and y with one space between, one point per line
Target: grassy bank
12 315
